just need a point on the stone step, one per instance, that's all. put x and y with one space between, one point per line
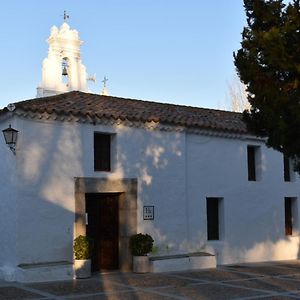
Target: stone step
43 272
182 262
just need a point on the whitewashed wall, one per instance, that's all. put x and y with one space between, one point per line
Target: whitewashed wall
253 211
8 208
175 171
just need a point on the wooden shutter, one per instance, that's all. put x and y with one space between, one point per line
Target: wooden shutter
288 216
251 163
212 207
102 152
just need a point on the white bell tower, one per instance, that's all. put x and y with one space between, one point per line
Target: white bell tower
63 70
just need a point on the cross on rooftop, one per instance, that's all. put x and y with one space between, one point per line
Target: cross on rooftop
66 16
104 81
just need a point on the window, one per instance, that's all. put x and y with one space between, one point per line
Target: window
253 160
102 152
289 174
213 218
290 210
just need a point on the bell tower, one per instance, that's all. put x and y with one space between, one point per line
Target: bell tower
63 70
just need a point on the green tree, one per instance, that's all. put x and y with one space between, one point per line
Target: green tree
268 63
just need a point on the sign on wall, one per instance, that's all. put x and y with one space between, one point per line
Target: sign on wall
148 212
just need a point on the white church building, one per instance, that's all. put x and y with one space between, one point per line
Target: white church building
194 179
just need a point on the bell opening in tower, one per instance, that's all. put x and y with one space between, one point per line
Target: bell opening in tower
65 71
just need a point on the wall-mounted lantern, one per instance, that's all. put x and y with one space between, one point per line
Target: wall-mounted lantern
10 136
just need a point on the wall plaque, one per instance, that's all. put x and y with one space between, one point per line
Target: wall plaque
148 212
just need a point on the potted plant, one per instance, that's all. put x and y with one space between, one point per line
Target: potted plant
82 252
140 245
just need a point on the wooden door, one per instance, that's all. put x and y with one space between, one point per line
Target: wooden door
103 227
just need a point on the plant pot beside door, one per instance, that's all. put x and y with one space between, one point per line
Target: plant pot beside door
140 245
82 252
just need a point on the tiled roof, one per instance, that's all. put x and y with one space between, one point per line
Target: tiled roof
92 107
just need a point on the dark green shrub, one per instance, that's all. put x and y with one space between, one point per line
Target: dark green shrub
140 244
83 247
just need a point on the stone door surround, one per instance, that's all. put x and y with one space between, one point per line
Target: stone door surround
127 190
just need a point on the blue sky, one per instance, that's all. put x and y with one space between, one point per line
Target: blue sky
176 51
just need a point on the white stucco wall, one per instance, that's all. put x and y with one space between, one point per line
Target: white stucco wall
59 152
175 171
8 207
253 228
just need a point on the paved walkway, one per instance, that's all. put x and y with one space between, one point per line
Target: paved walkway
252 281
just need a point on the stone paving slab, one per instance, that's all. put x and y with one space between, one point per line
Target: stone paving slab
295 277
126 296
147 280
278 298
14 293
266 270
212 292
82 286
292 263
270 284
291 266
213 275
239 282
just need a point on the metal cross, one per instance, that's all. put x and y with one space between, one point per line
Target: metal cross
104 81
66 16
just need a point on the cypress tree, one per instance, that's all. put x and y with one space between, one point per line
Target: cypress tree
268 63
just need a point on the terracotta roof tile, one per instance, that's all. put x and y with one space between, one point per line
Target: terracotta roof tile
79 104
